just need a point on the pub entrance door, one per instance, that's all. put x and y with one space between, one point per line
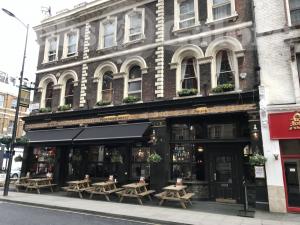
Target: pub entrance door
225 176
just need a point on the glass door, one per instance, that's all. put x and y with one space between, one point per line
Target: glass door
292 179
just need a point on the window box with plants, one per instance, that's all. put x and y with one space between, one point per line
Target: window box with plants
187 92
131 99
64 108
223 88
45 110
102 103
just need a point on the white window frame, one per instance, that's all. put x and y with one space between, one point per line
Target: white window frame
66 44
127 26
210 16
197 74
2 101
177 15
47 46
135 80
288 13
101 33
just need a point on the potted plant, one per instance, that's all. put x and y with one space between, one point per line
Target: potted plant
223 88
18 158
257 160
187 92
154 158
44 110
63 108
131 99
103 103
22 140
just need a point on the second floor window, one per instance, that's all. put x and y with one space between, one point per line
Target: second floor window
107 89
52 49
49 95
225 65
188 73
135 82
135 26
187 13
14 104
221 9
295 11
1 101
108 33
69 92
72 44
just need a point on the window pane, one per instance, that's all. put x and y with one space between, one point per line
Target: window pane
72 39
1 101
183 171
10 127
294 4
222 11
14 103
188 69
180 132
187 14
181 153
224 131
135 72
187 23
108 41
107 81
134 86
216 2
198 171
290 147
295 16
137 95
224 70
187 6
109 34
135 23
48 95
69 92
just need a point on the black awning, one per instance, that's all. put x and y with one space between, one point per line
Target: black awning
54 135
113 132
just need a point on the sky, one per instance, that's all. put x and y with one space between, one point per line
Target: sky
12 36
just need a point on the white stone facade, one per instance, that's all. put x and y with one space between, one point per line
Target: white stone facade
279 89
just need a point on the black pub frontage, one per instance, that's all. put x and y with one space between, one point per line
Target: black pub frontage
206 141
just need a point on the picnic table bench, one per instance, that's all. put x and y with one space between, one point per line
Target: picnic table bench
21 182
135 190
39 183
175 193
103 188
78 186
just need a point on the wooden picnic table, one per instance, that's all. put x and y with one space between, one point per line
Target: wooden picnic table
104 188
39 183
175 193
20 182
78 186
135 190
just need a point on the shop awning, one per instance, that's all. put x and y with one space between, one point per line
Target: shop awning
54 135
113 132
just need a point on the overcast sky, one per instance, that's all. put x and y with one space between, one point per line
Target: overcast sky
12 35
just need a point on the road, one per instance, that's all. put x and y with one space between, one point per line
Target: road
15 214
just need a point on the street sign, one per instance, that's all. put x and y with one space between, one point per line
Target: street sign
25 98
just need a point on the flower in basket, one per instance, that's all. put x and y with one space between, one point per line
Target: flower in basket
257 160
154 158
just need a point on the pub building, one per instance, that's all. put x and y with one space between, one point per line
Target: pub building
116 84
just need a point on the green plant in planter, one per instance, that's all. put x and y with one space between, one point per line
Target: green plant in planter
6 141
102 103
44 110
154 158
18 158
22 140
187 92
64 108
257 160
223 88
131 99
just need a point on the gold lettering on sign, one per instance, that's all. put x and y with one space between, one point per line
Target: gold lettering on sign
202 109
295 122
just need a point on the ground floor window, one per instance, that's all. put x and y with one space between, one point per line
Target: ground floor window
43 161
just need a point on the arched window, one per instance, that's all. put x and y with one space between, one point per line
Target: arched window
107 89
188 73
69 92
135 82
49 95
225 67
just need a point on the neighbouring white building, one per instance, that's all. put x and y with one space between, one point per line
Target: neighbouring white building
278 44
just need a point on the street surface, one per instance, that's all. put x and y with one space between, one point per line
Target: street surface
15 214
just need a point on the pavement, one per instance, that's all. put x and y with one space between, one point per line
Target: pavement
151 212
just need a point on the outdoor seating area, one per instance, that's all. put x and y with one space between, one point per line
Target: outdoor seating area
78 186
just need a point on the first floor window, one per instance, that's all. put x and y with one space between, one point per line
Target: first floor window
187 162
221 9
43 161
72 43
135 82
49 95
140 167
188 73
52 50
221 131
107 88
295 11
135 27
69 92
225 67
187 13
1 101
108 33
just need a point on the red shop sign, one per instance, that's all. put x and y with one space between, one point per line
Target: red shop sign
285 125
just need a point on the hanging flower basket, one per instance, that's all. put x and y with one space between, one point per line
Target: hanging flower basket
154 158
257 160
19 158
